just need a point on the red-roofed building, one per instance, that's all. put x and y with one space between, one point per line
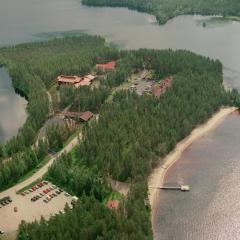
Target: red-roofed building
113 204
87 80
86 116
83 116
160 89
108 66
76 81
68 79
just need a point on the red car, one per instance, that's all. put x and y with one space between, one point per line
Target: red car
46 190
41 183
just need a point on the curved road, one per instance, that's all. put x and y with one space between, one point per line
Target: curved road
39 174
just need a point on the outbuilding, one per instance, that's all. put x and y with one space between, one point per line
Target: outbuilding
86 116
113 204
107 66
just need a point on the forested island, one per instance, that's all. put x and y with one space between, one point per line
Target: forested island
132 134
167 9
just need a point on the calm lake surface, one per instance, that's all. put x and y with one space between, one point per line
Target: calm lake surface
211 210
211 166
12 108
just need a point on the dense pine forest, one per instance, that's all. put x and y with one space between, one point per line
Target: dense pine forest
127 141
167 9
34 68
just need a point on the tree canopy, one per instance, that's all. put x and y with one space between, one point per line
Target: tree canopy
167 9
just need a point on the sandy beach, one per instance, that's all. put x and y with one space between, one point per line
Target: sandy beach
156 179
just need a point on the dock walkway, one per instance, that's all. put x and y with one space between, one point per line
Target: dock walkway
183 188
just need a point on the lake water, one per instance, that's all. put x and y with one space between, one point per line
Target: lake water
211 210
211 166
12 108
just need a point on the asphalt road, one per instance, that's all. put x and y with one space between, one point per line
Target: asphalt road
39 174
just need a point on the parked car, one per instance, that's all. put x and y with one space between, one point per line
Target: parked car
66 194
46 191
1 231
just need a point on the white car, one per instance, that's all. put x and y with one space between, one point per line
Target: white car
1 231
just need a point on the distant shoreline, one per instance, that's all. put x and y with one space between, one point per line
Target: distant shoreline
156 179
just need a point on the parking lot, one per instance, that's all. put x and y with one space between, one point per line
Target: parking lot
37 201
142 83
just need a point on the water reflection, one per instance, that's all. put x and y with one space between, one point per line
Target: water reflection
12 108
211 209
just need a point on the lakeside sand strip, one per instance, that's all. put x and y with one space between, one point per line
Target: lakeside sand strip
156 179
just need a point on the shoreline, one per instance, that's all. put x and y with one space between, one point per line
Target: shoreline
156 179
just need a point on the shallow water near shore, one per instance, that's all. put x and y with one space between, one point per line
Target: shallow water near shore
210 210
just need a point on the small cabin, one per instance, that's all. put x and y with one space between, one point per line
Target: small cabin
86 116
82 116
113 204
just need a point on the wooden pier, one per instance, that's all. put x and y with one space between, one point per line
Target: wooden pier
183 188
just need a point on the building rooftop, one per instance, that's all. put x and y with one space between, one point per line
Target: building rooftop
113 204
68 79
75 80
86 116
160 89
108 66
